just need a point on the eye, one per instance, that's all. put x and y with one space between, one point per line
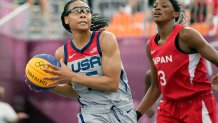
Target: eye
87 10
164 5
76 10
154 6
79 10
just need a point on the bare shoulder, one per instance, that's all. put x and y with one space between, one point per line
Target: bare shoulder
191 38
105 35
107 39
188 32
59 53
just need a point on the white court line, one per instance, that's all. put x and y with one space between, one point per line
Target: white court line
14 13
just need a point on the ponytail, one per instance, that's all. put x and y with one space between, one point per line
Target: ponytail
99 22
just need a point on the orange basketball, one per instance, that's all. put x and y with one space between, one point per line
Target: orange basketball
35 74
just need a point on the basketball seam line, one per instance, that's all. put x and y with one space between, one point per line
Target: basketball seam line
36 70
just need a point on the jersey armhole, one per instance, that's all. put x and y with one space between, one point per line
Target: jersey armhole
157 38
98 44
65 53
178 47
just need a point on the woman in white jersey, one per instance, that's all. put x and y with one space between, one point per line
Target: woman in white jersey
91 69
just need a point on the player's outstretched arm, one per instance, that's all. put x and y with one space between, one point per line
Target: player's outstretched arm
153 92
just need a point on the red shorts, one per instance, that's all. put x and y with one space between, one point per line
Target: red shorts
197 109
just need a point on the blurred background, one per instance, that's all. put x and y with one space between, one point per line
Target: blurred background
30 27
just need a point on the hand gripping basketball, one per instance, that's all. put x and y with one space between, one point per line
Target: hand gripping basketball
60 74
35 73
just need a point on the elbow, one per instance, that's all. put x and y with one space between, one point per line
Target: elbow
73 97
114 87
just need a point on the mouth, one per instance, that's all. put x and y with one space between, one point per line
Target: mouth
82 22
156 14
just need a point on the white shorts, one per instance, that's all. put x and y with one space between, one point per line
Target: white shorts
108 114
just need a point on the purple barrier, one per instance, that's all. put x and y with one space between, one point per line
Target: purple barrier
4 10
135 63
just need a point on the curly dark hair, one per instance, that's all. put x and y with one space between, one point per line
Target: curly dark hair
97 22
178 8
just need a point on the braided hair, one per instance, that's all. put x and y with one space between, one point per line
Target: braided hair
97 22
178 8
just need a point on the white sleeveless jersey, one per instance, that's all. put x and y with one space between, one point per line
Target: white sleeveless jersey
87 61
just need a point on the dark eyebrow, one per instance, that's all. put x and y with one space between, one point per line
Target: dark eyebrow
164 2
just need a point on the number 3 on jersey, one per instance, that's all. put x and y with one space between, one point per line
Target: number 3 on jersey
162 77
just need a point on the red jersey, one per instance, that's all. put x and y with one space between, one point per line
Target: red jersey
180 75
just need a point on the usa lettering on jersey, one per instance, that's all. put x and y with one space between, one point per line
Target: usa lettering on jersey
87 63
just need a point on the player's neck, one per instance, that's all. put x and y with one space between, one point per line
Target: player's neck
165 30
81 37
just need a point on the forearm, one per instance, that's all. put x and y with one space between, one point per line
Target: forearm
97 82
149 99
66 91
211 54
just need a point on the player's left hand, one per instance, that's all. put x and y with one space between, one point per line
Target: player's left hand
60 74
214 82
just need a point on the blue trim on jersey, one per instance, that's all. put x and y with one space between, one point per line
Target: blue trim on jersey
80 101
121 78
65 53
98 44
81 117
85 47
